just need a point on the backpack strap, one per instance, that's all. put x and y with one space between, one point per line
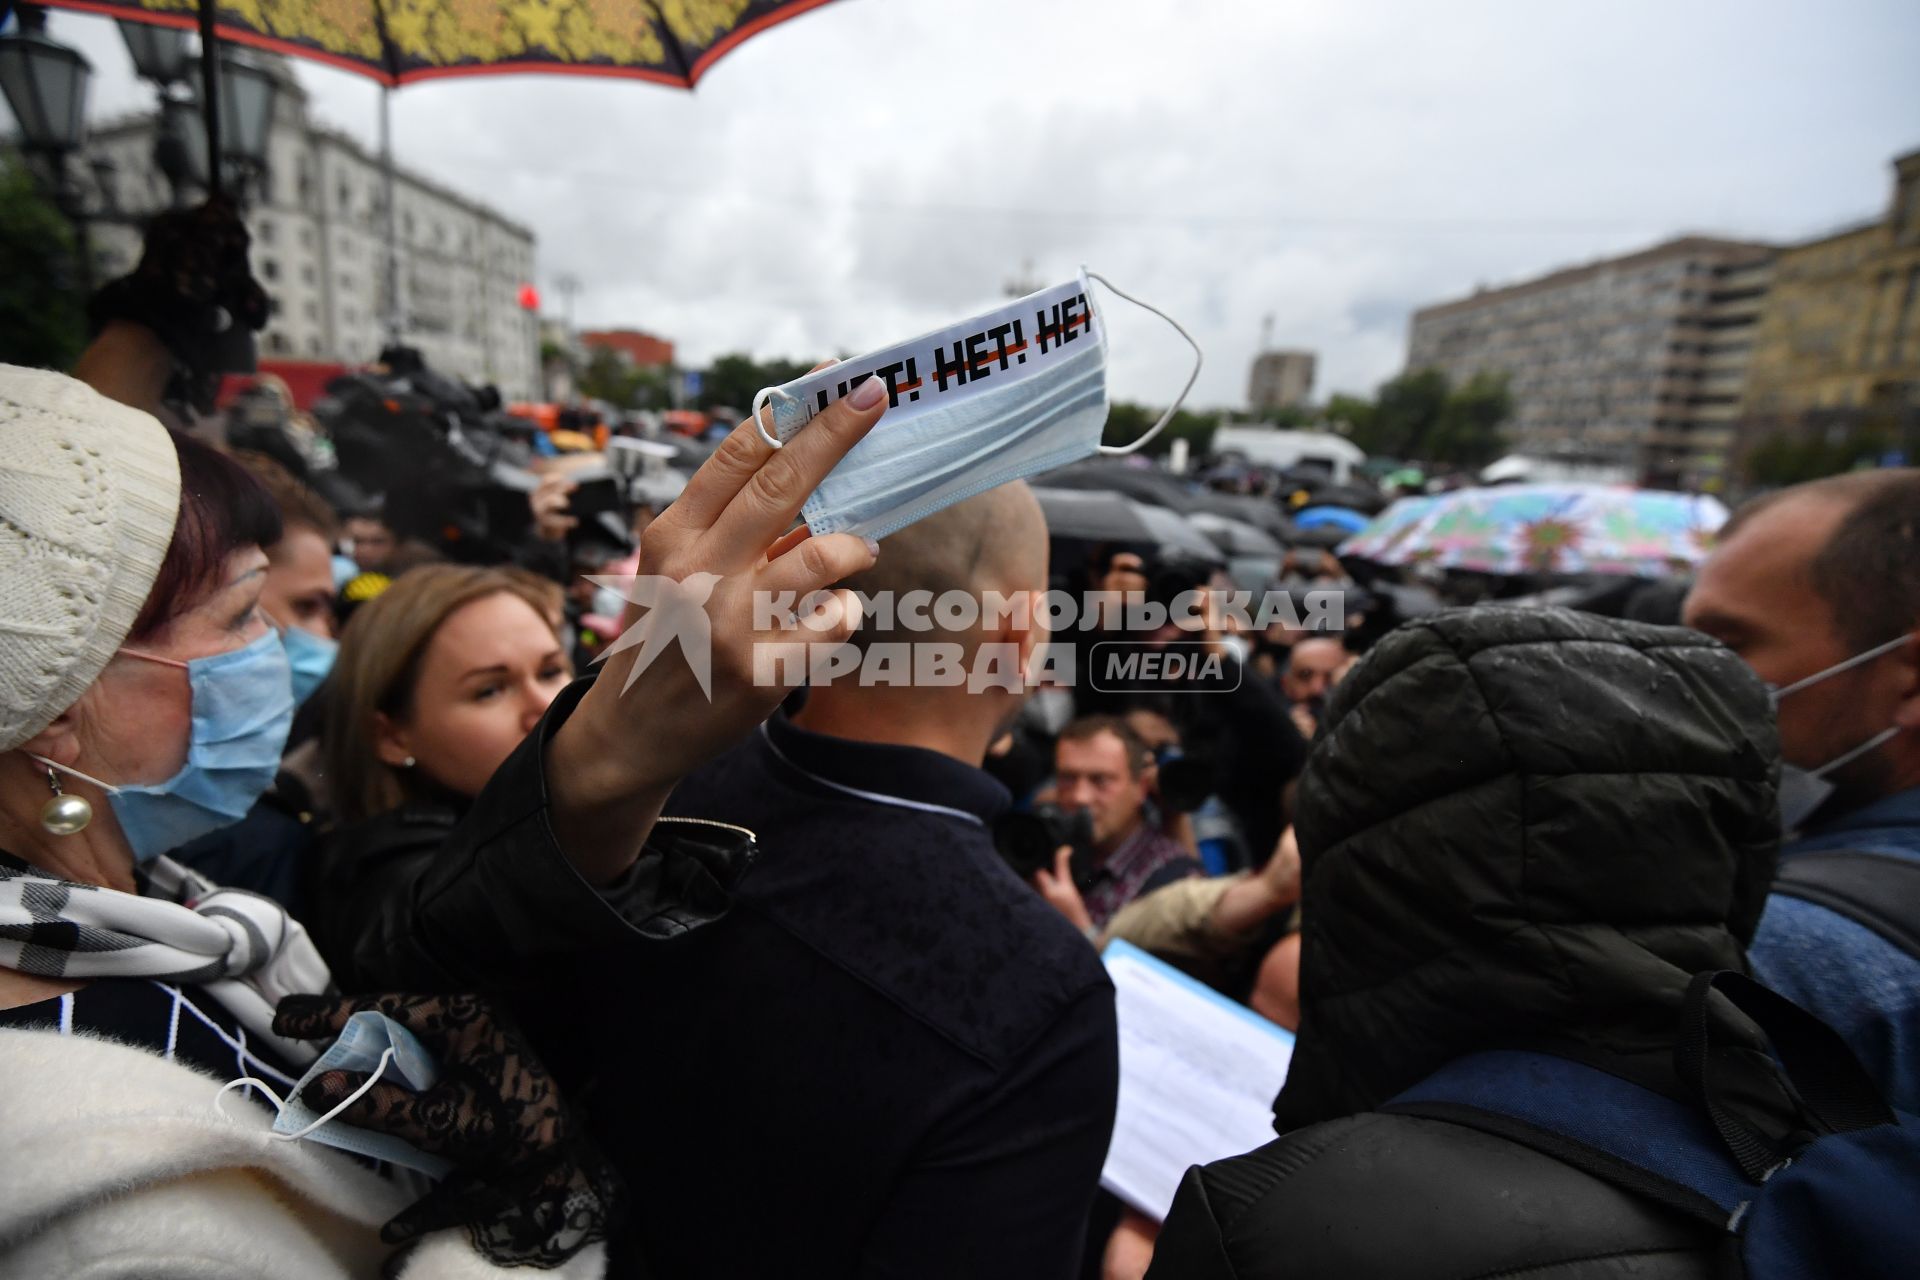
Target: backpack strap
1612 1129
1829 1083
1878 890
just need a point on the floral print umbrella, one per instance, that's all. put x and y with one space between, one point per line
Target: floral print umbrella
401 41
1542 528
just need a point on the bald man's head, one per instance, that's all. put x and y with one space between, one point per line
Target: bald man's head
993 542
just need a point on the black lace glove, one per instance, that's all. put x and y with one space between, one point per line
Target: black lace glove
195 290
529 1188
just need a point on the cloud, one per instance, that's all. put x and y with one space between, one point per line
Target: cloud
872 170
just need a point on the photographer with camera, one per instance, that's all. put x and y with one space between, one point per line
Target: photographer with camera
1238 730
1105 777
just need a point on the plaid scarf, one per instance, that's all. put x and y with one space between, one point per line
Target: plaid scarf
242 949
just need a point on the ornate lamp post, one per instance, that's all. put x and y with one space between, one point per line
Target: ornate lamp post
45 83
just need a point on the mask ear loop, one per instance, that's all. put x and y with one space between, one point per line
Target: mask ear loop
108 787
1838 667
1198 359
760 399
280 1106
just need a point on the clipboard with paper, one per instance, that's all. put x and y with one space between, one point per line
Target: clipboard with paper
1198 1075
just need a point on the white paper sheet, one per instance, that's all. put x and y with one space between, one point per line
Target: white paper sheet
1198 1075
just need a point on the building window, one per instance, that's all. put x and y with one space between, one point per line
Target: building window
345 194
273 305
313 346
264 229
306 274
269 269
313 309
276 342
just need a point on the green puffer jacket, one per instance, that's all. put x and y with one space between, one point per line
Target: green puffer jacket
1521 829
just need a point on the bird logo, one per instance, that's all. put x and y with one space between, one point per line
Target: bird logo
675 611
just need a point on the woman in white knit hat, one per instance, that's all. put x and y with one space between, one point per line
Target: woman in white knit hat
144 700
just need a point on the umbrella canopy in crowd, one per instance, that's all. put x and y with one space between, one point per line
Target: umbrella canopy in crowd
1344 519
1545 529
1236 537
1091 516
398 42
1143 484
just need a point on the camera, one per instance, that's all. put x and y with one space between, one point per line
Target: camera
1028 841
1185 781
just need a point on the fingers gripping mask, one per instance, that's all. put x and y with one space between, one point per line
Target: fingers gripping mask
373 1045
1002 396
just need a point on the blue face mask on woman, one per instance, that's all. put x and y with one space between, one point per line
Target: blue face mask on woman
242 709
310 658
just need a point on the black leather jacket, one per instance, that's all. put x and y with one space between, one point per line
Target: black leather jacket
425 899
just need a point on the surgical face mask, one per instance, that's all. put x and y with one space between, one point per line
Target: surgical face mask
242 709
309 659
373 1045
1803 791
997 398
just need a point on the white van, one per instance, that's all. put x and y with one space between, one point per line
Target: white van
1275 447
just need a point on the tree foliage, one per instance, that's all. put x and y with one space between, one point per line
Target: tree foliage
1783 459
42 312
1420 416
610 378
733 379
1128 422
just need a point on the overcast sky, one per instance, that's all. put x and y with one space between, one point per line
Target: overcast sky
876 168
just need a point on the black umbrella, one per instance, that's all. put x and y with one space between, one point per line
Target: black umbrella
1090 516
1236 537
1261 513
1142 484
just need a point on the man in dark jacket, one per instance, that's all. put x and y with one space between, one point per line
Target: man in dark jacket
894 1058
1521 829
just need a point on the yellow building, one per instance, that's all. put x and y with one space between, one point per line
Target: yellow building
1837 349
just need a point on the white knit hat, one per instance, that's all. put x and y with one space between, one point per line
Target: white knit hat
89 491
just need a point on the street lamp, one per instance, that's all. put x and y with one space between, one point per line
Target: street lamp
246 94
46 85
160 54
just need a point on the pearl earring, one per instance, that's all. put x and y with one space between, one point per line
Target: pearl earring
408 763
64 815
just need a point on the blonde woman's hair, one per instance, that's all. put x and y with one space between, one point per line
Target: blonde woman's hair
379 664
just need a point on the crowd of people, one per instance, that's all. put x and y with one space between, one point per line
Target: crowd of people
723 978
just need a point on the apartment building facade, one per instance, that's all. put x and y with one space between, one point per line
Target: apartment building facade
1634 363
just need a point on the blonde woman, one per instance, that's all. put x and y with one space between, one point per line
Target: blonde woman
438 679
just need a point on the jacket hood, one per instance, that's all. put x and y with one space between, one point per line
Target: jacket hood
1525 828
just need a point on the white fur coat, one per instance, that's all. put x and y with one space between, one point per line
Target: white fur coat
114 1166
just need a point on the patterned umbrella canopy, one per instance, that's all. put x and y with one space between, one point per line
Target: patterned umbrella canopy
1544 528
398 42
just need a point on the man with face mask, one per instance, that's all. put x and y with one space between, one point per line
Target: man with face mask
1817 587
